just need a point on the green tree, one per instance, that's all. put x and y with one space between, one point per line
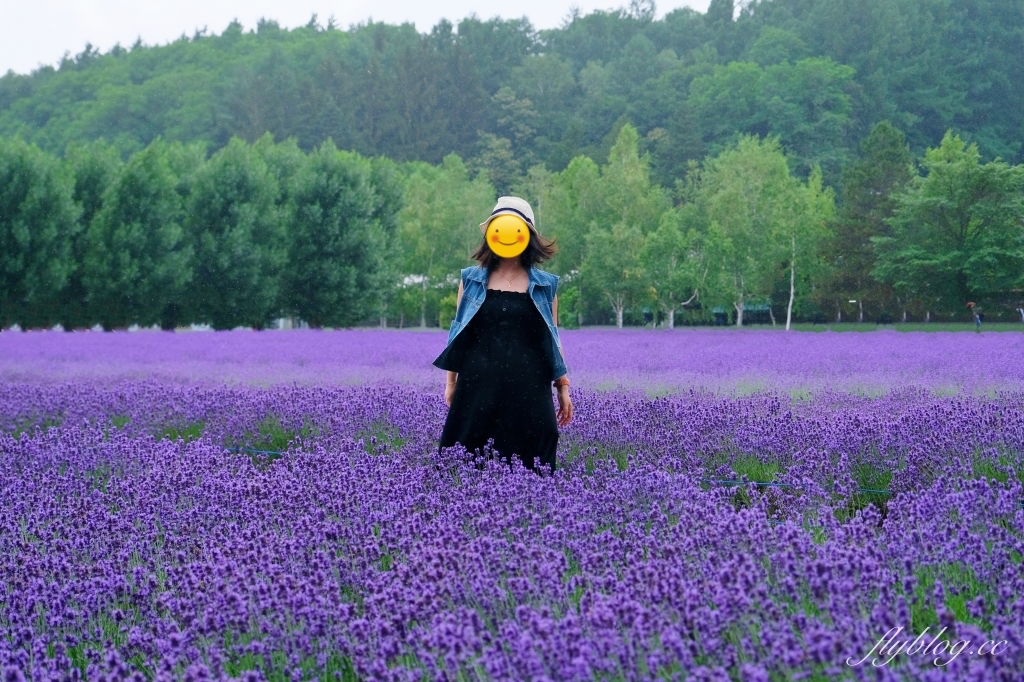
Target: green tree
285 161
498 161
868 188
675 145
38 221
802 227
748 194
959 229
776 45
94 167
727 101
337 245
808 108
239 239
138 261
627 207
572 202
676 262
439 228
614 266
629 194
389 199
804 104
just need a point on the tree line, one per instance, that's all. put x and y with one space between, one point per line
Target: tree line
258 231
816 74
170 236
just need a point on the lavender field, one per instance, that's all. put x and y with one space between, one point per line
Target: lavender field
727 506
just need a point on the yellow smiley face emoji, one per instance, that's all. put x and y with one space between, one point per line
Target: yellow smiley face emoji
508 236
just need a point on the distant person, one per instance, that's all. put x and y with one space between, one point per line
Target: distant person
503 349
1021 311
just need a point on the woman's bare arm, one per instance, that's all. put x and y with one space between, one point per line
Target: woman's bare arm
453 376
554 310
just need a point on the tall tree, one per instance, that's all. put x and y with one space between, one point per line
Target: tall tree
238 235
614 266
747 192
805 104
138 260
94 167
498 161
38 220
868 189
336 243
496 46
439 228
630 208
676 261
629 194
960 228
802 226
574 202
389 199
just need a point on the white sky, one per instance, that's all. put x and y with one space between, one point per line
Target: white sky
35 32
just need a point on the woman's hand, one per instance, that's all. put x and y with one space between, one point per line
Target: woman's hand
449 390
564 415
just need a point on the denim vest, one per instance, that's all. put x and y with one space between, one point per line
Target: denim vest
542 293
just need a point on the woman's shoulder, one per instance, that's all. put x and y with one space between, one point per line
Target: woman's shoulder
475 272
545 278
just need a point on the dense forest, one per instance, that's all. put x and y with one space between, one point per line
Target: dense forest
804 159
816 73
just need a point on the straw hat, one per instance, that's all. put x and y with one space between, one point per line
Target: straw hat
511 206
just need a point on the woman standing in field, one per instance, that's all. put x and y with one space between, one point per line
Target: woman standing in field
503 353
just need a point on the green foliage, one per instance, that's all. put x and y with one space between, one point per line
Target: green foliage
677 262
869 187
447 309
804 104
270 440
38 221
186 432
93 167
627 208
237 232
381 436
754 209
570 202
629 195
138 260
958 232
30 424
498 162
569 307
755 469
593 456
816 73
336 242
800 233
776 45
614 266
439 230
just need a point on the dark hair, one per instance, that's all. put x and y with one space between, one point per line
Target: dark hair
538 250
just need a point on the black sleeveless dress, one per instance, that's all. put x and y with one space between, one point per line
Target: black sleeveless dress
503 358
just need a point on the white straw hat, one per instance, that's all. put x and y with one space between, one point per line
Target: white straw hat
511 206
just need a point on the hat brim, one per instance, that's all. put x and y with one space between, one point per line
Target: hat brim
506 211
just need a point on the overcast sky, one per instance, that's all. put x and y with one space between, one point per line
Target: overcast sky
34 32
